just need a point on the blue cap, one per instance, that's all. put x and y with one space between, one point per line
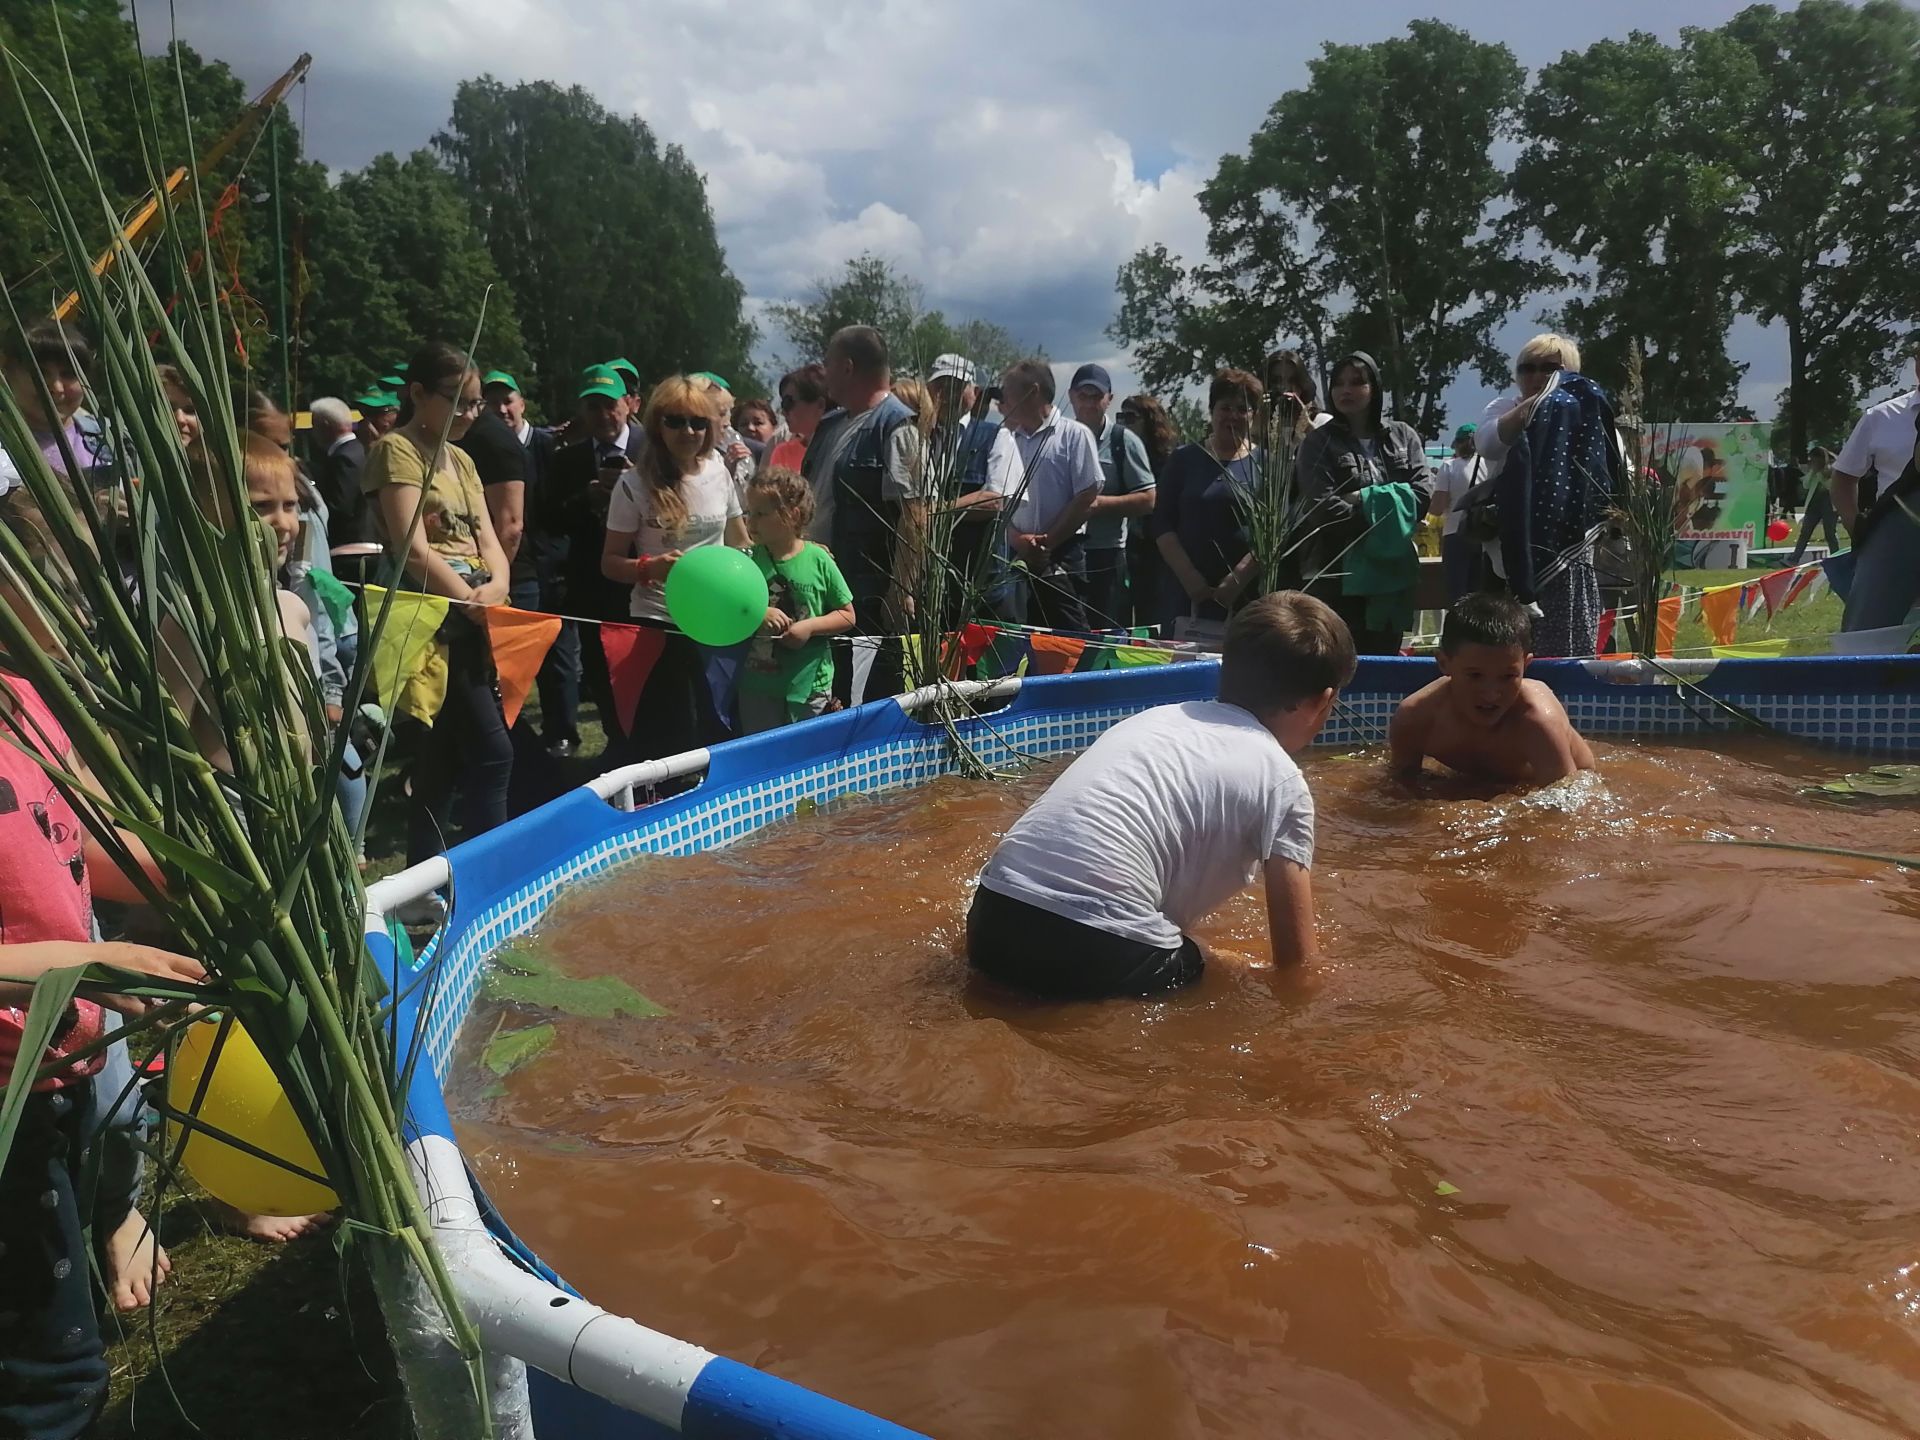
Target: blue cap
1095 375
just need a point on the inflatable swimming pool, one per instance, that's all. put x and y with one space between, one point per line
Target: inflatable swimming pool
566 1368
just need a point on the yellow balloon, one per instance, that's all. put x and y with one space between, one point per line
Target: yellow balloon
244 1100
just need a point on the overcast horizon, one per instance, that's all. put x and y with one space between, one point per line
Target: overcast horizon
1011 171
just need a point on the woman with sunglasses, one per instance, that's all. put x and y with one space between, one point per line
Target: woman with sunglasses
1506 417
803 405
679 497
430 512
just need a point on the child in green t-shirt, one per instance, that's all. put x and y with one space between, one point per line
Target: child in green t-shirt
789 671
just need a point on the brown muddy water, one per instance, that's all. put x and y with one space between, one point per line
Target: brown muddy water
1580 1129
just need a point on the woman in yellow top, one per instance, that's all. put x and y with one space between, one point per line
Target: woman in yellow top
430 511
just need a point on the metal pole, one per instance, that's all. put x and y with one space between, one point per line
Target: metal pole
280 264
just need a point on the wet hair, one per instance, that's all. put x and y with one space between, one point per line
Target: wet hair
1485 619
49 342
1283 649
1230 382
744 408
808 383
864 347
1035 372
1155 430
1308 392
659 471
1557 350
790 491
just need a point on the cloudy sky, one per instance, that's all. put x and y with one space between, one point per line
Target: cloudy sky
1009 156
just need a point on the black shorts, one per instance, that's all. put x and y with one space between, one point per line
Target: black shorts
1046 954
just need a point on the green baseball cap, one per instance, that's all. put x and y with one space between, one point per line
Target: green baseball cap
602 380
499 377
376 399
719 380
626 365
393 383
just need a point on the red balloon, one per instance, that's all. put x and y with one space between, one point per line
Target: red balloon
1778 531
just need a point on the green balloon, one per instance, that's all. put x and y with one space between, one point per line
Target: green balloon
717 595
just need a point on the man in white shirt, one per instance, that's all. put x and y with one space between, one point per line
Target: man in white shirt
1886 576
1459 556
1058 482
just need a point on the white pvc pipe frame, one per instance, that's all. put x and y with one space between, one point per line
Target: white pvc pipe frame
518 1314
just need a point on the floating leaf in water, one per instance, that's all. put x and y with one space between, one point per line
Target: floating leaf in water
511 1049
1444 1189
805 805
521 975
1882 782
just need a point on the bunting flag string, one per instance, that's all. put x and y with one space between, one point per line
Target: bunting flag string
1667 624
404 659
1720 609
631 651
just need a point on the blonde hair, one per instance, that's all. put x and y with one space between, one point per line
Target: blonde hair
790 491
916 397
659 471
1558 349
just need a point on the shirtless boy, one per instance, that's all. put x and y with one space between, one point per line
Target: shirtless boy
1483 717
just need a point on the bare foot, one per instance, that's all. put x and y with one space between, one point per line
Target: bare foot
135 1263
272 1229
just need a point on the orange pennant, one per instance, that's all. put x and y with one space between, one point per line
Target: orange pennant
1055 654
1720 608
520 640
1668 627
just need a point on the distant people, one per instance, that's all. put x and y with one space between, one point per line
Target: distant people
379 413
1364 488
733 451
1199 512
982 584
679 498
869 510
1058 486
803 405
788 673
1096 889
1483 717
338 459
756 422
1459 556
572 517
451 551
57 355
502 462
1147 418
1545 553
1886 538
1125 499
1287 374
1819 511
628 374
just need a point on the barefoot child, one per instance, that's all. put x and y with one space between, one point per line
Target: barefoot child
788 674
1482 717
1165 818
53 1377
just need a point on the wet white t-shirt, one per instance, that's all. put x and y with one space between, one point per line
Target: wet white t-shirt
1166 818
711 501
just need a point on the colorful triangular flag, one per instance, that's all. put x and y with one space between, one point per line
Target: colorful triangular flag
520 641
631 651
406 641
1603 636
1667 626
1055 654
1720 609
1773 591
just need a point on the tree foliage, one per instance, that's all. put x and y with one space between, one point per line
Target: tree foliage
1611 176
870 290
604 234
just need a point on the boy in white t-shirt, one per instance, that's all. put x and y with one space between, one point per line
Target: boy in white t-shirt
1166 817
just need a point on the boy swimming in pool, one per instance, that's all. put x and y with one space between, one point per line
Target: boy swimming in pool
1165 818
1483 717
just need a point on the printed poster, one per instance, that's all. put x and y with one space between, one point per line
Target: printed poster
1718 475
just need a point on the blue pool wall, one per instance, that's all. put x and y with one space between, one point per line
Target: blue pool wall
504 882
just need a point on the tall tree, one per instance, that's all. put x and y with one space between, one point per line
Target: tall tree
871 290
1182 324
411 267
604 234
1817 125
1611 175
1388 154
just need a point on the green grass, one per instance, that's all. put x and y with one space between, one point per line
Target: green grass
1805 626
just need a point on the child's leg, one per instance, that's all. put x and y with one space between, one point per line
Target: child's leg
53 1372
130 1256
